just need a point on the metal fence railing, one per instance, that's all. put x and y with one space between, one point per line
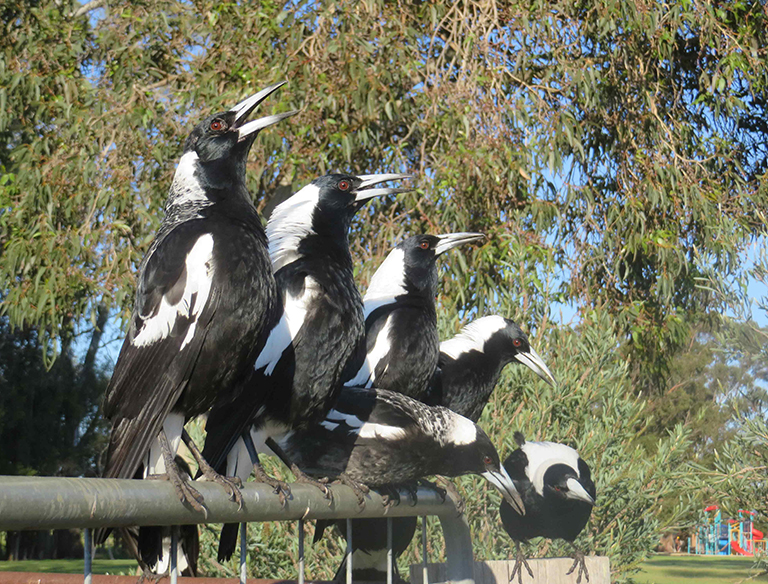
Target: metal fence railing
44 503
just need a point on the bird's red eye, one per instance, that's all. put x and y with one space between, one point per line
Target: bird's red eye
517 342
487 460
217 125
344 185
424 245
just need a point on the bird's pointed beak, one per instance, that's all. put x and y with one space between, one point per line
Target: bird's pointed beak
535 363
363 193
451 240
502 481
577 492
243 109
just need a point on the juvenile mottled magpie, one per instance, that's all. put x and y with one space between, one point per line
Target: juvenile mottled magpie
400 320
557 488
378 438
471 363
205 292
297 375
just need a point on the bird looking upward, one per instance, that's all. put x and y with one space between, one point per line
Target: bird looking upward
557 488
297 376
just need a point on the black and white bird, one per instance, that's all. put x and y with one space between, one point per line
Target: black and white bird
205 293
297 376
379 438
401 342
471 363
557 488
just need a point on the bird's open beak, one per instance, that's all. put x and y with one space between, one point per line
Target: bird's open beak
535 363
577 492
501 480
451 240
374 179
243 109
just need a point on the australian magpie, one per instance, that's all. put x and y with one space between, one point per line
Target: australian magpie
297 375
205 292
557 488
471 363
401 342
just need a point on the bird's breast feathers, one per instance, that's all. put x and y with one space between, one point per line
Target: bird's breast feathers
179 312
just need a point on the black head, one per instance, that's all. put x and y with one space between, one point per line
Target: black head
511 343
562 483
419 256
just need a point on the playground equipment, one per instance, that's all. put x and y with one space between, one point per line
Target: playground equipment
726 536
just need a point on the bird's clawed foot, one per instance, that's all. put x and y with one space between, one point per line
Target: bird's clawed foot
453 492
149 577
230 484
281 489
186 493
578 560
359 489
520 561
321 484
390 496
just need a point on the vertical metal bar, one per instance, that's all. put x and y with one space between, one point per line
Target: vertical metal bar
390 554
301 551
349 551
174 554
424 558
243 551
87 556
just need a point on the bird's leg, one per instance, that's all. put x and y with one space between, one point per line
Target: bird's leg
186 492
451 490
282 490
520 561
360 489
229 483
578 560
301 477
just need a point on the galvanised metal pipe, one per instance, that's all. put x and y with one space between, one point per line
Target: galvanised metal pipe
61 503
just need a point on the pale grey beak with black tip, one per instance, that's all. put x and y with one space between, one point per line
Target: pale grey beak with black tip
535 363
243 109
503 483
363 193
451 240
577 492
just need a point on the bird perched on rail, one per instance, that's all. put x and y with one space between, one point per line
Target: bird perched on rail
471 363
205 292
558 492
379 438
401 342
297 375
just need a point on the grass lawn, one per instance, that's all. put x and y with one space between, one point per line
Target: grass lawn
685 569
115 567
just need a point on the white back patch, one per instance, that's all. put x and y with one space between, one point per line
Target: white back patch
542 455
199 279
290 222
387 283
473 336
366 376
282 335
186 188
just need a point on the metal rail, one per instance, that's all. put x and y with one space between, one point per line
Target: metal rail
62 503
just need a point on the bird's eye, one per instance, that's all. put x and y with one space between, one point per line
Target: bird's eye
344 185
517 342
424 245
217 125
487 460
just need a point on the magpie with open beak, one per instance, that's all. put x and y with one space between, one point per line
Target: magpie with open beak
557 488
205 293
297 375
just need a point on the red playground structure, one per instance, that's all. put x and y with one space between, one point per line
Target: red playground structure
718 536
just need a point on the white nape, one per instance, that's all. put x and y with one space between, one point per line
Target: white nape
461 431
473 336
282 335
542 455
154 463
186 187
366 376
290 222
387 283
197 287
